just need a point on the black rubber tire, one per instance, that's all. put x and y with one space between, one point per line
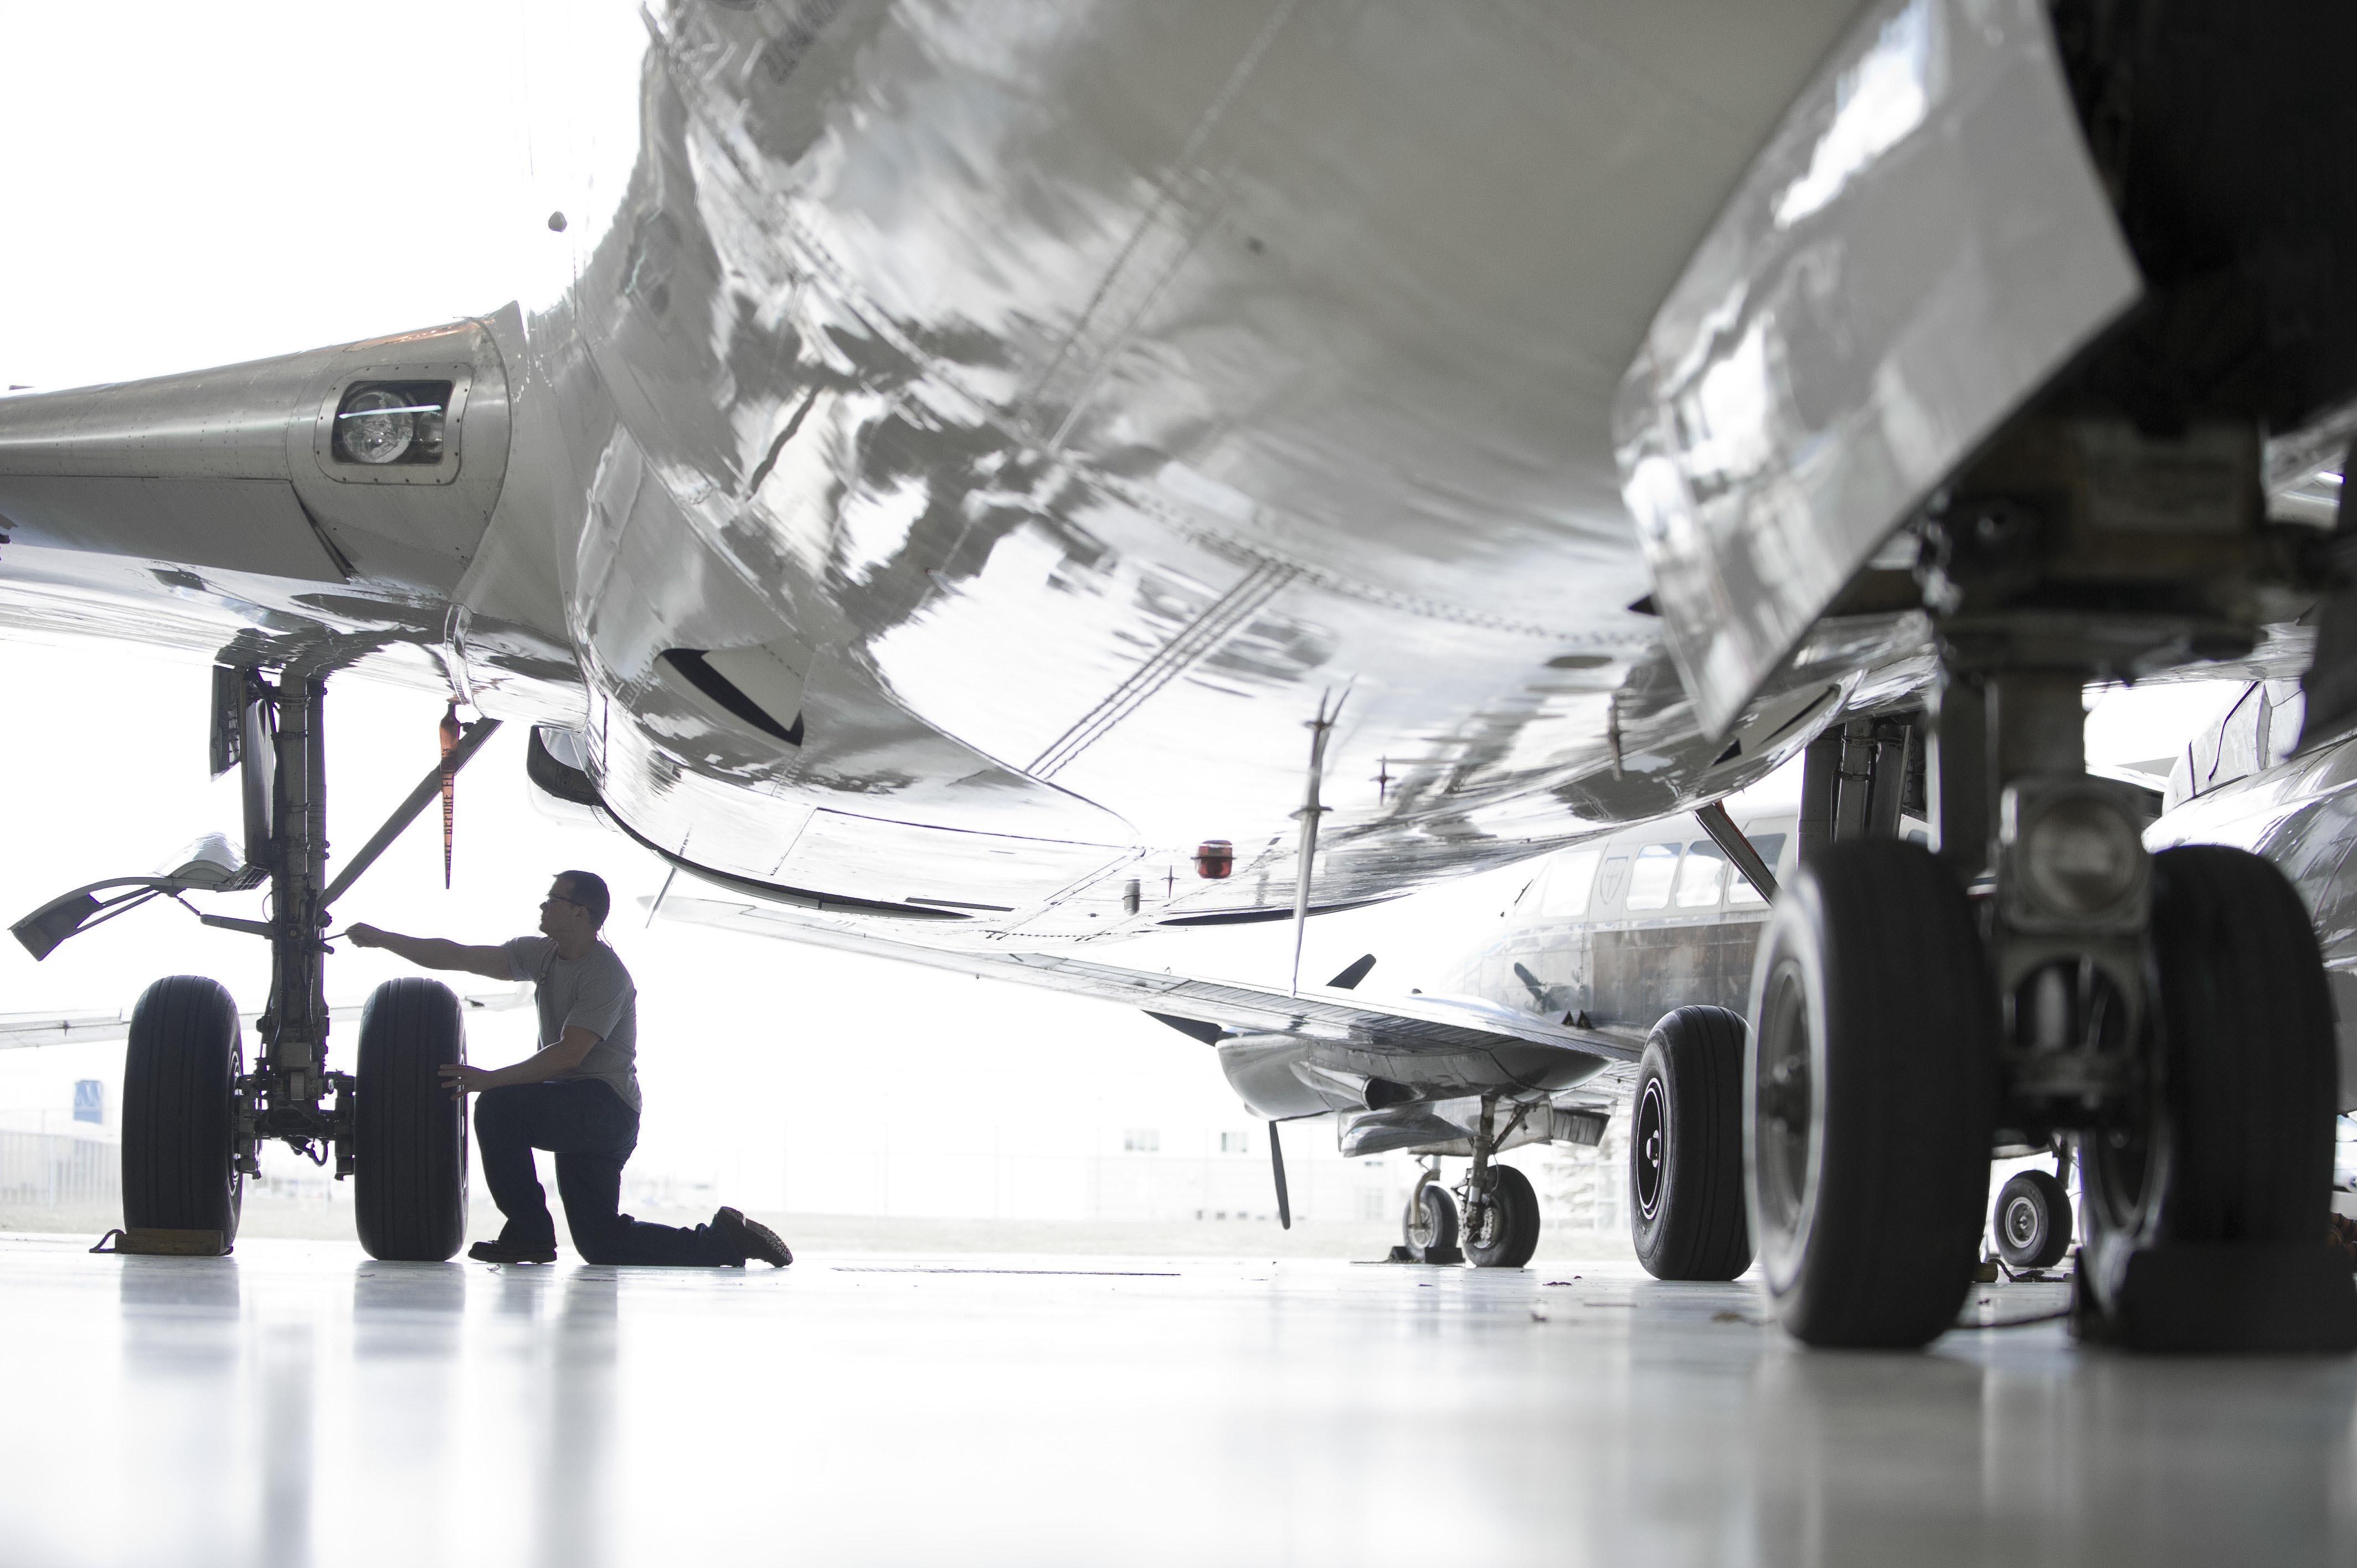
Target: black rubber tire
180 1075
2033 1220
1511 1233
1685 1149
1440 1212
2248 1070
409 1169
1870 1093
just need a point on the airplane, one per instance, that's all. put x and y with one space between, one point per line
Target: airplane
1643 933
993 485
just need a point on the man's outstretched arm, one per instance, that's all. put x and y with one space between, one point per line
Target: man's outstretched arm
435 952
567 1054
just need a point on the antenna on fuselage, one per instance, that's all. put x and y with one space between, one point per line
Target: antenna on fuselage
1311 810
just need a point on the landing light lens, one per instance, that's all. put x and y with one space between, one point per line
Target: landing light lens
2082 856
376 427
380 424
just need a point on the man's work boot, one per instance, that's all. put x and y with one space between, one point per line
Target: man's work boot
504 1252
746 1239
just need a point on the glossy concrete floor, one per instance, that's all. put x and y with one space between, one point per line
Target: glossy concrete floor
298 1404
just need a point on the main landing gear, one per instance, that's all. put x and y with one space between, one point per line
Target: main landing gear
194 1117
1500 1221
2040 976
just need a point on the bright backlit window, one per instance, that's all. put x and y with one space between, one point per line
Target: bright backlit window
1649 879
1702 877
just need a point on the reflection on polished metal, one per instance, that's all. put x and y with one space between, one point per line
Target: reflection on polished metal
1022 425
298 1404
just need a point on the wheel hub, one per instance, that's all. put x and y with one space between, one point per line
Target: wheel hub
1651 1122
1785 1104
2021 1222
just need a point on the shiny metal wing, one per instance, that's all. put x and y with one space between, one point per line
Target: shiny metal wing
1403 1024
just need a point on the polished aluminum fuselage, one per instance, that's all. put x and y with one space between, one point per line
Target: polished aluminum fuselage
1053 404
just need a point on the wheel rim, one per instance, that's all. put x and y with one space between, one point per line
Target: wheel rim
236 1145
1422 1226
2023 1222
1652 1146
2125 1162
1786 1126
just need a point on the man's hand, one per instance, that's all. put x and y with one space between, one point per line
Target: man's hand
459 1079
365 936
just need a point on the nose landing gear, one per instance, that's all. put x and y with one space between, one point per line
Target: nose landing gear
194 1117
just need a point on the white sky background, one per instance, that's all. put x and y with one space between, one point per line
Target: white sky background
194 185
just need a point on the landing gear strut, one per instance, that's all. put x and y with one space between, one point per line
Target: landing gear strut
194 1117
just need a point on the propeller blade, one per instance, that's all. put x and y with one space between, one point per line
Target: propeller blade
1276 1159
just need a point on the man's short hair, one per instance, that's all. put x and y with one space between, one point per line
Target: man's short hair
588 889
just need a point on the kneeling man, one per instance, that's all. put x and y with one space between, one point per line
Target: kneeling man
578 1098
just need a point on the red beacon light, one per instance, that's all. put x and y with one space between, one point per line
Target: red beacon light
1215 858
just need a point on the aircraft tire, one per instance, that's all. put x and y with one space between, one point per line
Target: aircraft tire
2239 1147
1685 1149
1430 1228
180 1079
2033 1220
1869 1094
1505 1233
409 1171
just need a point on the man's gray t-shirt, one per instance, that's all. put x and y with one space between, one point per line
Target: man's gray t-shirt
593 991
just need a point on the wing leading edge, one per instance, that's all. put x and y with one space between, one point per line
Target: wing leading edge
1399 1025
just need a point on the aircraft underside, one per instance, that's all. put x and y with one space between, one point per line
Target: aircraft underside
989 486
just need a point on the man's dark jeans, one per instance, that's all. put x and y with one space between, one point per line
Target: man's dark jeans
585 1125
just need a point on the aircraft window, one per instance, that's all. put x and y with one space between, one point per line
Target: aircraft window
1648 883
1616 871
1701 876
1771 850
1567 883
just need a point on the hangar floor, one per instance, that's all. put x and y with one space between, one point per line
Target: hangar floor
298 1404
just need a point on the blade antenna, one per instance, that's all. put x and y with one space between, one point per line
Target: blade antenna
450 733
1319 727
656 907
